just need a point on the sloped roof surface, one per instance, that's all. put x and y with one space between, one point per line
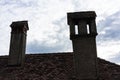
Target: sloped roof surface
57 66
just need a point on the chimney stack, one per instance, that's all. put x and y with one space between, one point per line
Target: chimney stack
83 35
18 43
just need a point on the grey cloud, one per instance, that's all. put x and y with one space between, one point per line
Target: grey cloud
37 46
111 27
41 47
61 23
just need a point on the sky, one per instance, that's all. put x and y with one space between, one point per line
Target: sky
48 28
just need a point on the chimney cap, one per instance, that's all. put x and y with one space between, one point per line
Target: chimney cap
73 16
20 24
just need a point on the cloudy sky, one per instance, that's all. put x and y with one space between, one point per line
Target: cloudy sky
49 31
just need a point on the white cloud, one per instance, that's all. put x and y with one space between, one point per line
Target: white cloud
97 5
107 49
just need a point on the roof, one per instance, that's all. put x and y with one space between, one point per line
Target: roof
57 66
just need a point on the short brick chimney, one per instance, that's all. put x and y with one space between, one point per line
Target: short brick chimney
18 43
83 35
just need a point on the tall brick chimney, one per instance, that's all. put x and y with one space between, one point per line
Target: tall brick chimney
83 35
17 43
